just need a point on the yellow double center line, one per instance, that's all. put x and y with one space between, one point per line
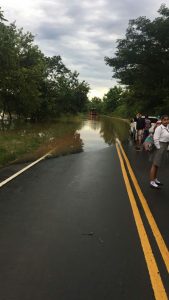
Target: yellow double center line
156 281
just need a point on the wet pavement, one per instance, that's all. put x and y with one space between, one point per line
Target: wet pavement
87 135
67 228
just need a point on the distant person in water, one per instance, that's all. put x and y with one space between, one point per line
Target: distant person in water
161 142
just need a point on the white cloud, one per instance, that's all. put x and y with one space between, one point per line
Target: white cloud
82 32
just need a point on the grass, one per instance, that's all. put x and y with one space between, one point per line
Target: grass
26 142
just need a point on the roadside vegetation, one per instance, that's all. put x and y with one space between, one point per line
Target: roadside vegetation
38 95
32 85
141 66
25 142
38 89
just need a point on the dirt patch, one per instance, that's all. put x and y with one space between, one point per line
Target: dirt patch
56 146
68 144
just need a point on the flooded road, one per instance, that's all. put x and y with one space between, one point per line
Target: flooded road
91 136
100 133
84 136
21 144
25 142
69 224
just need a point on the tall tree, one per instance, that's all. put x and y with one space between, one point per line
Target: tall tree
21 70
32 85
141 61
112 99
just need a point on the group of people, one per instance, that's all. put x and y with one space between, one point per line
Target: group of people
157 140
143 125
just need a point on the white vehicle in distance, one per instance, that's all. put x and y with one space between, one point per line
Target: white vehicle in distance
153 123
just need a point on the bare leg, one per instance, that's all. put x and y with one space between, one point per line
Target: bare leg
153 172
140 136
139 140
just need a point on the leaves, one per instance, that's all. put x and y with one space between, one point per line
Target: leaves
112 99
141 61
31 84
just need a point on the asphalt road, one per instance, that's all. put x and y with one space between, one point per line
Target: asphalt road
67 230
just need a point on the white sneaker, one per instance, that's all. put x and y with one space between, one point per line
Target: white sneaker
158 182
154 185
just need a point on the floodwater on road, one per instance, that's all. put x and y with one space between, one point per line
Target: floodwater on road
24 144
99 133
91 137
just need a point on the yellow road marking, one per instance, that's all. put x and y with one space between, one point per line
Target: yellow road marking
156 232
157 284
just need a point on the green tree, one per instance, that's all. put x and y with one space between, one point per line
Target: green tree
112 99
141 62
62 91
96 103
21 70
32 85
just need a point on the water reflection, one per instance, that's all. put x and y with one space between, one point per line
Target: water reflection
100 133
90 135
112 128
26 141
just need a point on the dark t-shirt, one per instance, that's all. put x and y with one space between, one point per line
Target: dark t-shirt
140 123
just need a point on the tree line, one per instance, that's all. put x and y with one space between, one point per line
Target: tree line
141 66
33 85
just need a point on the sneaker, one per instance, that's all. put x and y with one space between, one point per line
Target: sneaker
154 185
158 182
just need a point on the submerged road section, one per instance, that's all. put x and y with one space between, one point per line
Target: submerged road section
83 227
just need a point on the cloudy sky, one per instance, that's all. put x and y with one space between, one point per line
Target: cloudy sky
82 32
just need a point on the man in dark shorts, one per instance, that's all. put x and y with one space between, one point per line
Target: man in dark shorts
140 125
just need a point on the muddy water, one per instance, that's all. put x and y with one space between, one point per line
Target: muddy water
99 133
30 141
60 138
91 135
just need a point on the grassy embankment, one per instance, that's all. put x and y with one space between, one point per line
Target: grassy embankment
26 142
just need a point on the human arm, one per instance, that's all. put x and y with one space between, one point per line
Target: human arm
156 137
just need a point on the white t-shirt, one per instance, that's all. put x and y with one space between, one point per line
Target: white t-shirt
161 134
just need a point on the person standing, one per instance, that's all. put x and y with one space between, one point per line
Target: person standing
161 142
146 128
140 124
